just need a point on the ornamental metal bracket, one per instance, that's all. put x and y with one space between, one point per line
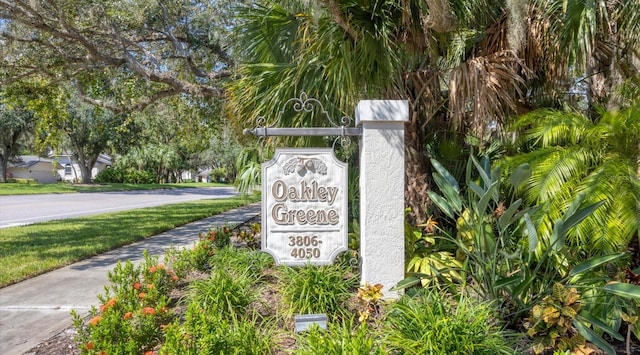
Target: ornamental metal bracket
305 104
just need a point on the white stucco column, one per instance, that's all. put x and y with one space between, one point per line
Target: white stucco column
382 191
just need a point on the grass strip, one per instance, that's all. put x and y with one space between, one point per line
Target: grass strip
64 188
31 250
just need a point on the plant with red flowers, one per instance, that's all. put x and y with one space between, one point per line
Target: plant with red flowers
184 261
132 311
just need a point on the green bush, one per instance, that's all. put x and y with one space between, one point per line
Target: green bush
219 174
316 289
504 259
429 323
134 308
110 175
139 177
217 319
224 293
22 181
340 338
119 175
551 322
198 258
251 263
207 332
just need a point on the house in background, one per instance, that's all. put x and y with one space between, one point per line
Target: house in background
187 175
70 170
52 169
204 175
43 170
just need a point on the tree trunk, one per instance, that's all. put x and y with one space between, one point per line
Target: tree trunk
3 169
8 150
85 171
416 172
86 165
422 89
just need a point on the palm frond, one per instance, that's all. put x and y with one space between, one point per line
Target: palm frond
318 58
628 17
553 127
483 90
559 170
542 51
573 156
609 228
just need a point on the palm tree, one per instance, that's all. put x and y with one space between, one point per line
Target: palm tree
445 57
588 48
570 155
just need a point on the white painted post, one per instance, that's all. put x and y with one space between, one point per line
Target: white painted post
382 191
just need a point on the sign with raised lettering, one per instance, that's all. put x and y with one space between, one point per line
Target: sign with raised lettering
304 206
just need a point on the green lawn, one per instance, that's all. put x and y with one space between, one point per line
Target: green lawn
62 188
30 250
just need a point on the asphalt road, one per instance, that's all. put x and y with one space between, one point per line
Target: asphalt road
26 209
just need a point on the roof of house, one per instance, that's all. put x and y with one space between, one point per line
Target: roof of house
104 159
204 173
65 158
27 161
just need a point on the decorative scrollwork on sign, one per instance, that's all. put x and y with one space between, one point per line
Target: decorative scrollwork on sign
303 104
344 141
261 121
304 165
355 261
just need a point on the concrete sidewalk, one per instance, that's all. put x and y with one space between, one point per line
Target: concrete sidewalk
36 309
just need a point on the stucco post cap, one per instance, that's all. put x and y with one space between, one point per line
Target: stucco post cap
382 111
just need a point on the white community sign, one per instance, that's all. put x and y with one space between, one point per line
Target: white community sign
304 194
304 217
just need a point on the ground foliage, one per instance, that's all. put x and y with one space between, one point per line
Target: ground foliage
223 291
483 238
167 316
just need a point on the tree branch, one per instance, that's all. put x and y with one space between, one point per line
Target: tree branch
138 106
336 12
102 44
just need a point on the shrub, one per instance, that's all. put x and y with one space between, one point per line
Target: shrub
22 181
140 177
220 237
110 175
429 323
429 257
217 319
250 237
133 311
504 259
316 289
219 174
370 297
197 258
340 338
207 332
551 322
249 263
223 293
118 175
